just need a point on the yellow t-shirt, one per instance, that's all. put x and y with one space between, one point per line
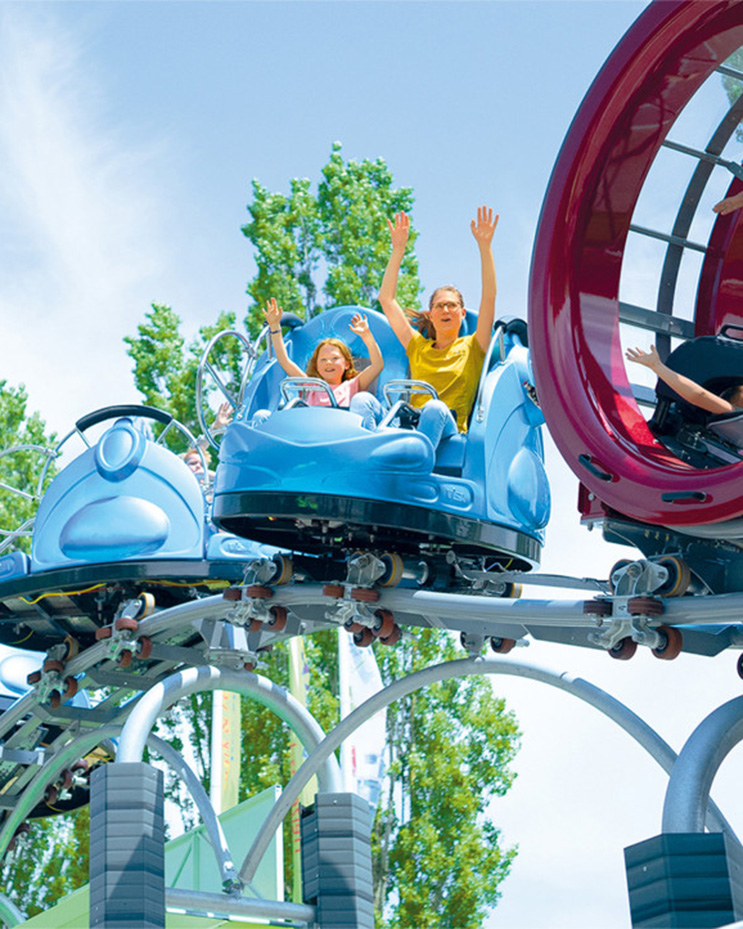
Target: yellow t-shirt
454 372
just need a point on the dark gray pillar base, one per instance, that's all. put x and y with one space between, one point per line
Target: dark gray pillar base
336 861
685 881
127 848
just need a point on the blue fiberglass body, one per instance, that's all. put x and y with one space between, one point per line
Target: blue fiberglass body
125 515
313 479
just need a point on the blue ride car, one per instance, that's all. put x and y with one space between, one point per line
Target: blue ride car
313 480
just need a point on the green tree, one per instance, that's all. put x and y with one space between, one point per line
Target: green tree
333 243
20 470
165 367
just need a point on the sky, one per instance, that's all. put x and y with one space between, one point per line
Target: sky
129 135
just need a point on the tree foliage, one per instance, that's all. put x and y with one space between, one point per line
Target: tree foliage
315 251
20 470
733 85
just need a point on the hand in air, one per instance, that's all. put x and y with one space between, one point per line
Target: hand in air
223 417
359 325
650 358
399 230
729 204
273 314
483 228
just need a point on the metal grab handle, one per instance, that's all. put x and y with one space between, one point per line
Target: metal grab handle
408 388
293 386
124 409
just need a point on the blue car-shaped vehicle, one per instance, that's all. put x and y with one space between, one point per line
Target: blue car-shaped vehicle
313 480
125 517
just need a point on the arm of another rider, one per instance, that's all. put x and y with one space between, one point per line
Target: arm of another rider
399 232
729 204
684 386
360 325
483 230
273 314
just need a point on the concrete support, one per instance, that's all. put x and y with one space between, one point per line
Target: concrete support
336 861
685 881
127 848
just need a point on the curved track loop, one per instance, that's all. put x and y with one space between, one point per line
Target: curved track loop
574 289
620 714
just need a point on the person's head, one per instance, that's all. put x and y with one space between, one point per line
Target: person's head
332 361
193 460
734 395
444 316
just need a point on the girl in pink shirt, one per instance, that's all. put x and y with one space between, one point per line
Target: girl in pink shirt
332 362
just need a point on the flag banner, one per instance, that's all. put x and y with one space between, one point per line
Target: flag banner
362 753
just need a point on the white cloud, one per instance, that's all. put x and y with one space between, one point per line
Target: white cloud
79 243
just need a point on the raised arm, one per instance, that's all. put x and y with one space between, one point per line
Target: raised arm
483 230
273 314
360 325
399 232
684 386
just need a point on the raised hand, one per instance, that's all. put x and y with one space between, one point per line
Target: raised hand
223 417
273 314
399 230
650 359
359 325
483 228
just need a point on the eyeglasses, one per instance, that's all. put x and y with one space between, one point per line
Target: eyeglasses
448 305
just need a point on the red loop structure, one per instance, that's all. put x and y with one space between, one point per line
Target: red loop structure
579 370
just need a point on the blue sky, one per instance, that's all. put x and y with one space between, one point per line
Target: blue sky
129 134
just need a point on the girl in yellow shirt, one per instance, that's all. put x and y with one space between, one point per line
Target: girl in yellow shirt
438 355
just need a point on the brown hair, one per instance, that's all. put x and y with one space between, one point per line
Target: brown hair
421 319
343 349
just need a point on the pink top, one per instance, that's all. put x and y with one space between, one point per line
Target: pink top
343 393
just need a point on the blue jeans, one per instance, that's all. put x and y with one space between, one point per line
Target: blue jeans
368 408
437 422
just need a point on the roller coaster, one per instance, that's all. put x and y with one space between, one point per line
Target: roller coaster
138 569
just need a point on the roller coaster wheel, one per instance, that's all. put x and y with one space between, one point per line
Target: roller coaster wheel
233 593
82 766
70 687
513 591
55 699
126 624
249 666
674 643
679 577
104 632
393 638
278 619
51 664
66 779
255 626
125 658
259 592
51 795
285 570
394 566
146 605
351 625
333 590
72 647
364 594
597 608
624 649
364 638
145 648
386 624
645 606
501 646
33 678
